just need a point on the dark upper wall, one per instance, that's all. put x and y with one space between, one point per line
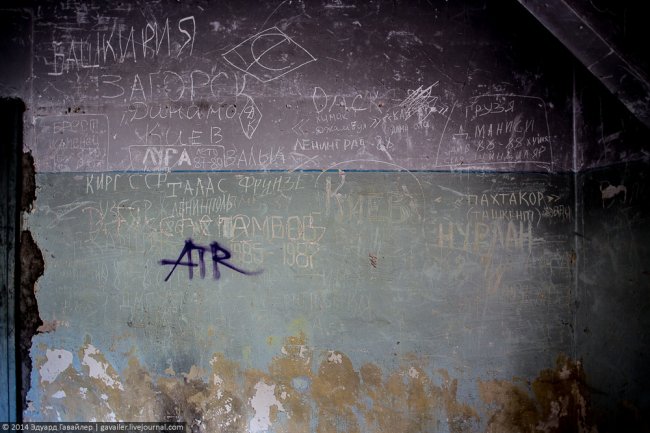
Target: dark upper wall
606 132
421 85
466 50
606 37
613 84
16 48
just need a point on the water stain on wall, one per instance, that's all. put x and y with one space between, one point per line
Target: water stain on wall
557 402
305 391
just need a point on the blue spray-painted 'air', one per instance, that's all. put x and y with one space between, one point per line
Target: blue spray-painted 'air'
219 255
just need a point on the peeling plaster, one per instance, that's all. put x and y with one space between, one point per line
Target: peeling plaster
32 267
262 402
335 357
326 394
98 369
58 361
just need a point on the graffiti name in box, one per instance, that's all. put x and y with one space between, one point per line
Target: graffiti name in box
486 105
560 211
115 216
174 226
392 207
264 186
199 157
518 198
162 85
194 207
204 157
503 214
145 111
249 252
77 126
354 126
204 186
510 127
335 107
160 157
294 254
482 155
157 135
305 144
479 237
320 301
73 142
269 227
103 48
500 128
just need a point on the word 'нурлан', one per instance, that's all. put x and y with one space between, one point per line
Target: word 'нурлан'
220 255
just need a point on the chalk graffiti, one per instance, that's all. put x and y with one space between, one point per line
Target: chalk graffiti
268 55
122 45
610 191
74 142
220 255
422 102
250 118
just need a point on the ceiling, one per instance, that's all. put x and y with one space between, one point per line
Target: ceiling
608 38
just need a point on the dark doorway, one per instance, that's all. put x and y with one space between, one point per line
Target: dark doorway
11 143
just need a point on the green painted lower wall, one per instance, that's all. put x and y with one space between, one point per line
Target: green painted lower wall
316 301
613 317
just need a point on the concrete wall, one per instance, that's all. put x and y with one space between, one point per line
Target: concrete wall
612 285
310 216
